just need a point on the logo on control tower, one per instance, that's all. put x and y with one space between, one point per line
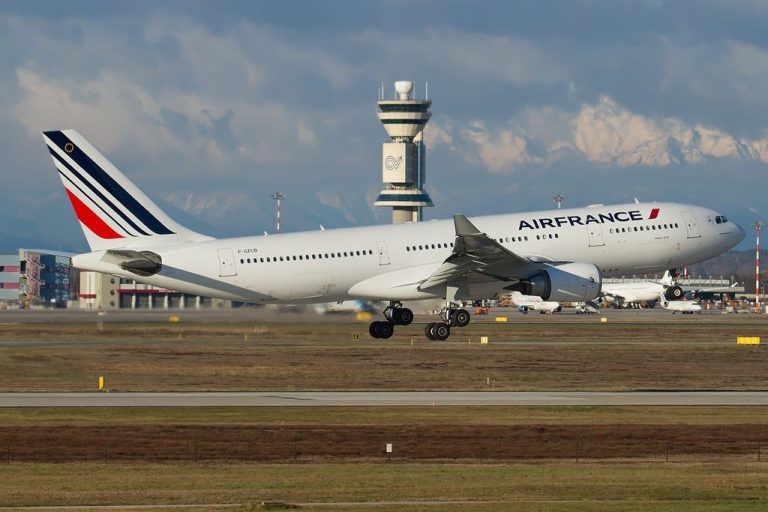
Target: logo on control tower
391 163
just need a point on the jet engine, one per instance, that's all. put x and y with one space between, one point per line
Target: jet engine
569 282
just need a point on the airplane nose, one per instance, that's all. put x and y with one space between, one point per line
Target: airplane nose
741 234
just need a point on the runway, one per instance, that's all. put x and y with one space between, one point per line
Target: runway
381 399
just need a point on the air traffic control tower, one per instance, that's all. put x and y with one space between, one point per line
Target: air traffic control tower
402 159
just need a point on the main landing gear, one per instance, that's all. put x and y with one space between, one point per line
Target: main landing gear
453 317
395 314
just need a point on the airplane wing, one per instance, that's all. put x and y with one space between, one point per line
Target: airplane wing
478 258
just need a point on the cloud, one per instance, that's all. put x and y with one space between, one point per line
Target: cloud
435 135
503 149
335 201
212 206
603 133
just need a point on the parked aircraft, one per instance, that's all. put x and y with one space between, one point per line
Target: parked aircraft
347 306
622 294
685 307
558 255
526 303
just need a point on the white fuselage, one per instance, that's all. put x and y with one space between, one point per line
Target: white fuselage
684 306
388 262
625 293
526 302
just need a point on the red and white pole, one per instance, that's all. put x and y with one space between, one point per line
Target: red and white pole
758 226
277 196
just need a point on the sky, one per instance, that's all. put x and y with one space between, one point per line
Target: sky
211 107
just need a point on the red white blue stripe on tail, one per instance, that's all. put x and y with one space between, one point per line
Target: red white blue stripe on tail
111 209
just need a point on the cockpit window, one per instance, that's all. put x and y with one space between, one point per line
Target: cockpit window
719 219
724 219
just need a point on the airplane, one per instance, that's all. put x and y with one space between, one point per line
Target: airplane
526 303
643 291
349 306
686 307
558 255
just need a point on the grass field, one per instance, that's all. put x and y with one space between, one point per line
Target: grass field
494 487
446 458
561 354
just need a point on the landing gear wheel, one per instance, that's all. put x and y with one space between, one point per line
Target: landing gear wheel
442 331
460 318
429 331
381 330
397 314
405 316
674 293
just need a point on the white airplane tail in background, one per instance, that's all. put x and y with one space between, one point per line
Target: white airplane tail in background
112 211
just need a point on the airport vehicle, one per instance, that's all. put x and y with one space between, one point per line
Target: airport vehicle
526 303
622 294
558 255
686 307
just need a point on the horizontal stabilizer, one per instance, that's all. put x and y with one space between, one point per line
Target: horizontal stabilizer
141 263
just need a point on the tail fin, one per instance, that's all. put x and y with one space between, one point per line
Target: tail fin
112 211
667 279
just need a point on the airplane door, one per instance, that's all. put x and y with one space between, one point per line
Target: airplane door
691 225
383 253
595 235
226 263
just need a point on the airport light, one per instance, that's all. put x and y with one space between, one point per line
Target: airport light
559 198
277 196
758 225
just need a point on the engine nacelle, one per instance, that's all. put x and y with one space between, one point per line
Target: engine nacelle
569 282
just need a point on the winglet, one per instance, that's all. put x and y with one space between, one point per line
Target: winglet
463 226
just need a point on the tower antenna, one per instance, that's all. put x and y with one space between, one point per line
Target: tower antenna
278 196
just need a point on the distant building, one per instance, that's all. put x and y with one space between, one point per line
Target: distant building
40 278
46 278
9 279
103 291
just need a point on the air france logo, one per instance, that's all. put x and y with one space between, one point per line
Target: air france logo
391 163
583 220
